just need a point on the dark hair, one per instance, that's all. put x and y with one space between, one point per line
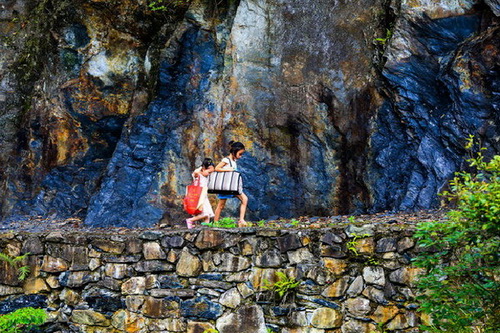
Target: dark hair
235 147
207 162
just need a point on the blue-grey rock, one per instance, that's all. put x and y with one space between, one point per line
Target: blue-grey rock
326 303
106 304
427 127
309 287
211 276
133 258
172 241
270 258
386 245
272 328
110 283
375 295
170 282
134 174
77 279
33 245
24 301
151 235
356 287
289 242
201 308
331 238
280 311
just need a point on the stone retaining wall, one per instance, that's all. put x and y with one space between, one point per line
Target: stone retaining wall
190 281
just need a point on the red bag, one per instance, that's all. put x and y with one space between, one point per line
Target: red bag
192 198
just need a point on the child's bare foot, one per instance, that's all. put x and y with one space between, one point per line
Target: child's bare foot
242 223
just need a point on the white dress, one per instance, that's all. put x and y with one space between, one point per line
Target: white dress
206 209
230 164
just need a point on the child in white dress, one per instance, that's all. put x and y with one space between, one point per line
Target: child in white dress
207 212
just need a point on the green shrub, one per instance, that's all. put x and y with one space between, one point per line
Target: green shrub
281 287
351 245
22 320
16 262
460 290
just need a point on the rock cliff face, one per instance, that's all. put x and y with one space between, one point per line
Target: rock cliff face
344 106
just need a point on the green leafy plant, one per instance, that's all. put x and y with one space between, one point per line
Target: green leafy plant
16 262
281 287
383 40
351 245
351 219
261 223
210 330
22 320
164 5
294 222
461 255
372 261
225 222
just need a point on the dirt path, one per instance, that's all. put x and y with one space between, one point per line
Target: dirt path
75 224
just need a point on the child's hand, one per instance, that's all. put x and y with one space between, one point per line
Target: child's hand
206 172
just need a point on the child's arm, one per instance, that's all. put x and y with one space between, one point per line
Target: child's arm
203 172
220 167
196 173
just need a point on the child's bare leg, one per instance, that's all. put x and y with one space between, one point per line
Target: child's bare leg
198 217
220 206
190 223
243 209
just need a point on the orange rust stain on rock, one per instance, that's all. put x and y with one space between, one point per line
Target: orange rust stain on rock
65 140
240 132
384 313
90 101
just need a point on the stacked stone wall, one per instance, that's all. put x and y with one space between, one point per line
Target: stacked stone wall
351 279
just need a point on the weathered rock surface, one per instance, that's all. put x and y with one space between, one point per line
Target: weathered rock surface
248 319
211 285
326 318
344 106
188 265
